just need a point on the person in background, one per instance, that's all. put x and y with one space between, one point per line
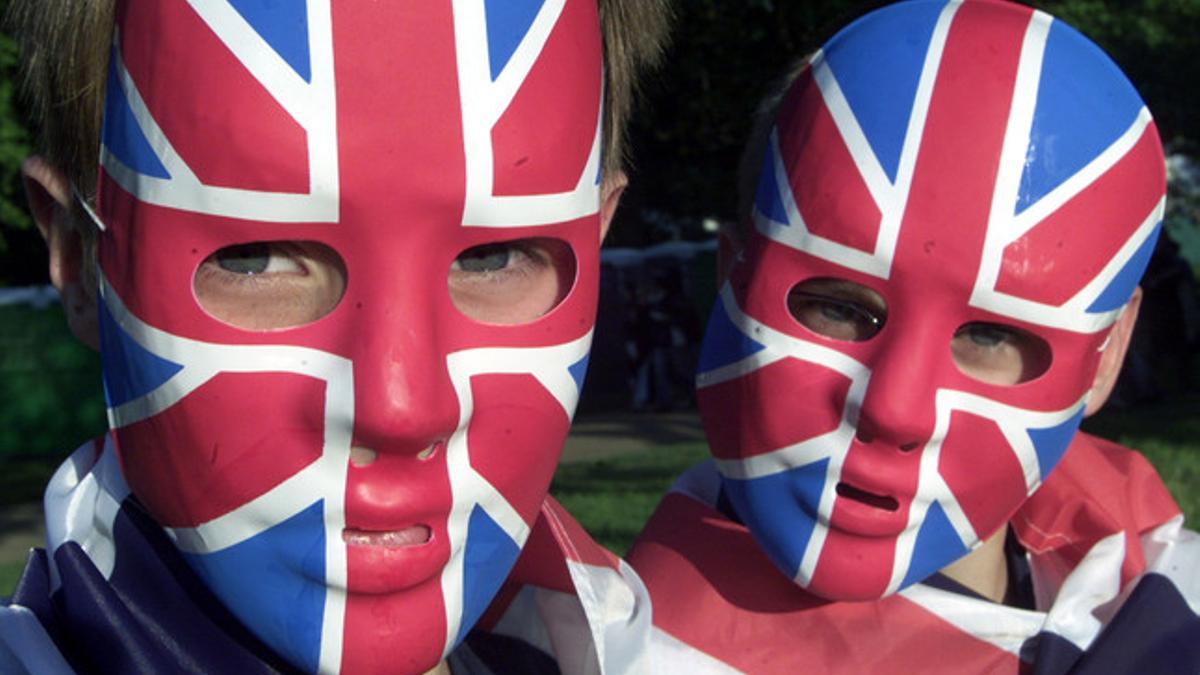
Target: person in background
340 261
947 211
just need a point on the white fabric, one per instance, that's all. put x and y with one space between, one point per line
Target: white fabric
25 648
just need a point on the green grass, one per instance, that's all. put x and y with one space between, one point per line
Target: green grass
1168 434
10 574
50 394
612 498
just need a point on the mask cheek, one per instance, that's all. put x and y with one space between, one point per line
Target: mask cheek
187 469
775 406
515 437
983 471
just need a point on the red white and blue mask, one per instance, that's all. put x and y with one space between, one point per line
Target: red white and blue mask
968 162
397 134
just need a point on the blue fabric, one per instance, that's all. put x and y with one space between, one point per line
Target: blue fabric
151 616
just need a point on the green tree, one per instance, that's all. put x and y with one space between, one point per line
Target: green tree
22 258
15 144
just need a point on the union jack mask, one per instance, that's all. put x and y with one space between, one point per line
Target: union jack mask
393 136
990 176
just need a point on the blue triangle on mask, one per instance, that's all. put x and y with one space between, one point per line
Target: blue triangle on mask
770 507
767 199
723 342
1084 104
1121 287
879 72
283 24
488 557
578 370
130 370
507 23
122 135
1050 443
938 545
267 581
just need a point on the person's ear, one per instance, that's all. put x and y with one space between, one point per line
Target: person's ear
50 202
1114 353
610 196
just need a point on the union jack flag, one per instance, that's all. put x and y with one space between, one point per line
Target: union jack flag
1111 568
991 166
376 129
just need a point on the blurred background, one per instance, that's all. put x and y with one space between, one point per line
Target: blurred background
659 266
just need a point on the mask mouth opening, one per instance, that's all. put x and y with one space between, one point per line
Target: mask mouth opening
413 535
884 502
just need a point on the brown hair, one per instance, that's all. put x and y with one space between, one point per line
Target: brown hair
635 34
64 48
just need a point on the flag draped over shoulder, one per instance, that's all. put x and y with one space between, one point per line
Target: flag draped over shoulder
113 595
1115 582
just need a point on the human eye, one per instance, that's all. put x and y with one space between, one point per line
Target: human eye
511 282
999 354
256 258
837 309
495 257
270 285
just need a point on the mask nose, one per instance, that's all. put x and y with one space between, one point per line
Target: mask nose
404 399
898 408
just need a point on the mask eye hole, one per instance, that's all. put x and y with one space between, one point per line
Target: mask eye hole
511 282
999 354
270 285
837 309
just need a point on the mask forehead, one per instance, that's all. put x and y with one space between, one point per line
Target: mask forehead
970 162
398 134
970 153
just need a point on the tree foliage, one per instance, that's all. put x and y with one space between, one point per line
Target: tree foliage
14 144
